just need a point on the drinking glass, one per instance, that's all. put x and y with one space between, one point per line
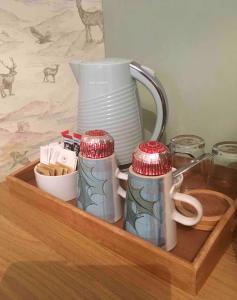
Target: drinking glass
225 154
185 148
223 172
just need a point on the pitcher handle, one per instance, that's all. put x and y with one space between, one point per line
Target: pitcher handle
188 221
124 176
147 77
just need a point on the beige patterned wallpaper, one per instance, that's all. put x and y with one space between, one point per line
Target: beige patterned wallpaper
38 91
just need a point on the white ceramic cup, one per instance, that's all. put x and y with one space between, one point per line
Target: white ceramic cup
63 187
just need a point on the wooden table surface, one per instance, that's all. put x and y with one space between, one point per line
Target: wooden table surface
69 266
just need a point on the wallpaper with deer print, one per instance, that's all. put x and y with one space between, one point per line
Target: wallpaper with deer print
38 91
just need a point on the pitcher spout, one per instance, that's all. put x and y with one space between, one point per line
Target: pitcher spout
75 67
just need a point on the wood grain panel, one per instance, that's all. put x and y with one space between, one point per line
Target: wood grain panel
69 266
171 268
138 251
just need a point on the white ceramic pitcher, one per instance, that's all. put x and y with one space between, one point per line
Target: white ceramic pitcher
108 100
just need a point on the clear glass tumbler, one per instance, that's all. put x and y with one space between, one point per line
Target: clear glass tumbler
223 172
185 148
225 154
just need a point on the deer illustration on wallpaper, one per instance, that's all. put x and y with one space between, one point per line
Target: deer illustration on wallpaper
50 72
37 40
7 79
89 19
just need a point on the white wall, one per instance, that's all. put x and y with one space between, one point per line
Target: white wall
192 45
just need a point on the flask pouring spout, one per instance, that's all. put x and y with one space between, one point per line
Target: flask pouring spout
75 67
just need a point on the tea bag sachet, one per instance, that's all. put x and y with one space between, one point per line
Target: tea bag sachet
68 158
56 161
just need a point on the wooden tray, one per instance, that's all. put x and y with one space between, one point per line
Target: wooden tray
187 266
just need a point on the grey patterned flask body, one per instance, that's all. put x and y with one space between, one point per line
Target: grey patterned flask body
149 209
145 207
98 188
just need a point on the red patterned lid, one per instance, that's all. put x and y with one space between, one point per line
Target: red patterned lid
96 144
151 159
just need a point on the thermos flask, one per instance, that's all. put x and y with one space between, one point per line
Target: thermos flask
98 184
149 206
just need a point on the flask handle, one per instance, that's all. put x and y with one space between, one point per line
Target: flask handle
147 77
